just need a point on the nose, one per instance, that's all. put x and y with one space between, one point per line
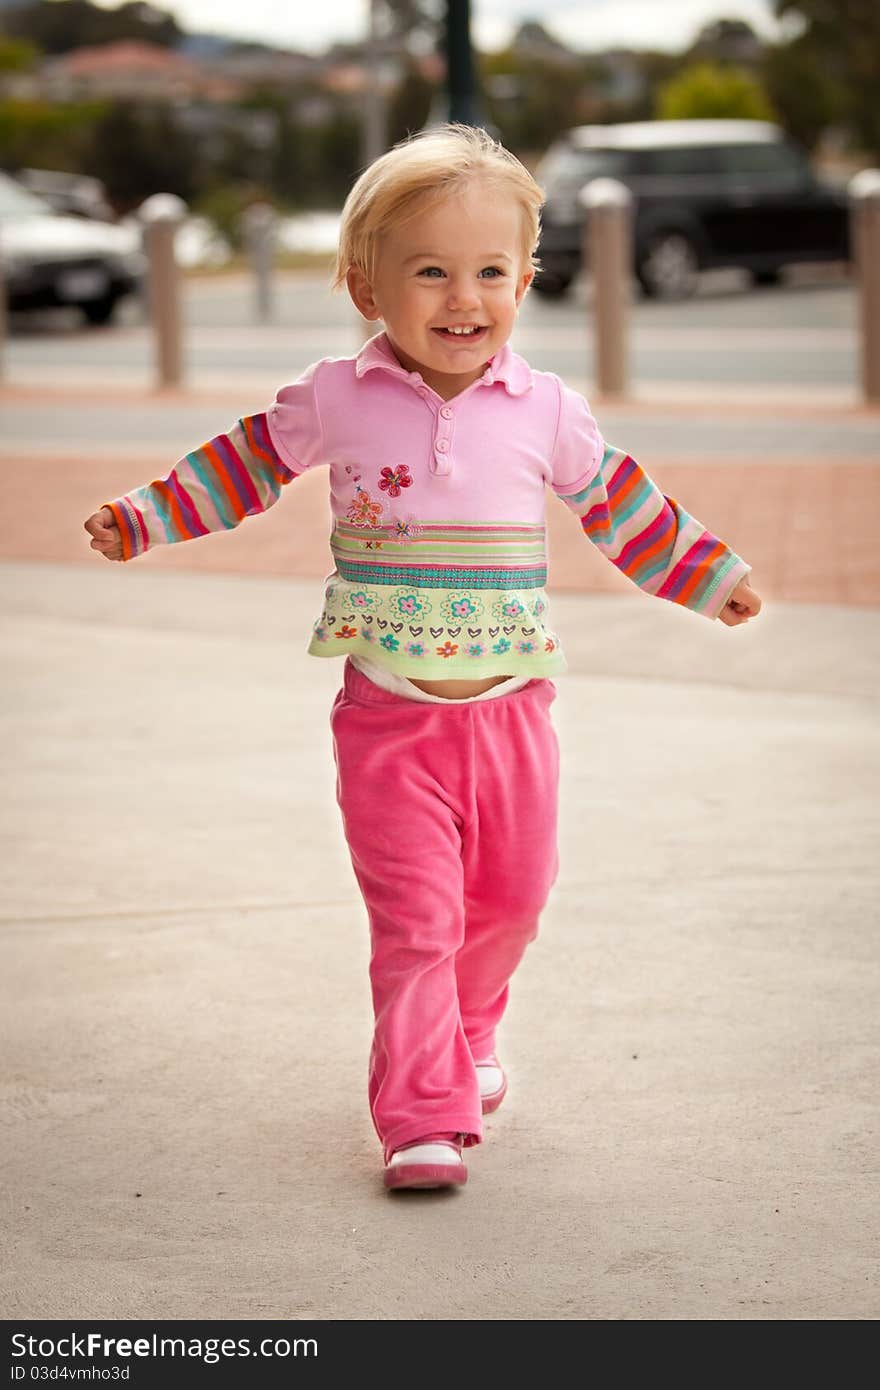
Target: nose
463 293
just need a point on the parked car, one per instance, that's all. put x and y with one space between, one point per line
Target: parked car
706 194
50 260
77 194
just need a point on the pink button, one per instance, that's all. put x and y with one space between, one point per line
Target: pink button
442 446
446 412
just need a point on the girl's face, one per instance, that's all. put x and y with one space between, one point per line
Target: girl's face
459 265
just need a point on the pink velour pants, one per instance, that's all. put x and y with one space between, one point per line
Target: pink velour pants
450 814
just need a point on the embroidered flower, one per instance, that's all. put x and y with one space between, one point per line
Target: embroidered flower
448 649
391 480
364 510
415 649
475 649
360 600
321 633
389 643
346 631
501 646
409 603
367 634
461 606
406 529
508 609
525 647
549 645
538 607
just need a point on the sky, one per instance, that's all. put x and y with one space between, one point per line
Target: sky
585 25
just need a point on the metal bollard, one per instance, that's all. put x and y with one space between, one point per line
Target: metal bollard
4 326
864 194
608 252
161 215
260 229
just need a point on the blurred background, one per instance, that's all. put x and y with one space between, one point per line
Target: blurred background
225 105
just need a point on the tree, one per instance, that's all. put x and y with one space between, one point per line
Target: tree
807 98
409 105
56 26
17 55
532 99
843 37
708 91
47 135
139 150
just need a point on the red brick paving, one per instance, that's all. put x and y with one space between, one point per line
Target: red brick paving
807 528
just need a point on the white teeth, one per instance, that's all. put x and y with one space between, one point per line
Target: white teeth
461 332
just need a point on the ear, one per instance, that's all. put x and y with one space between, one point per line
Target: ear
361 292
522 285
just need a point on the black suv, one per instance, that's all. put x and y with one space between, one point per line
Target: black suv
705 194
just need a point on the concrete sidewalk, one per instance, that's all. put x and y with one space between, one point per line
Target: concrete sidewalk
796 493
692 1041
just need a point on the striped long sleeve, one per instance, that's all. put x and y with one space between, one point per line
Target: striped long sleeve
652 539
213 488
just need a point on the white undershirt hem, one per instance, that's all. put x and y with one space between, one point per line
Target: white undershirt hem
399 685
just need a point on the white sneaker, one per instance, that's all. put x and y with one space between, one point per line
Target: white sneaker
493 1083
435 1164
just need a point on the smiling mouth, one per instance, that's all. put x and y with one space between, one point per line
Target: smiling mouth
464 334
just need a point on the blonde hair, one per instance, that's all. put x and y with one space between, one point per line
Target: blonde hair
417 174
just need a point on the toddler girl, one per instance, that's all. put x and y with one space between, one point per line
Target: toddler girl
440 442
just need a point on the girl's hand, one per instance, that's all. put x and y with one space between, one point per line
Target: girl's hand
105 532
743 604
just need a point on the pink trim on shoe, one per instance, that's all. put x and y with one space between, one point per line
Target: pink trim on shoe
426 1175
491 1102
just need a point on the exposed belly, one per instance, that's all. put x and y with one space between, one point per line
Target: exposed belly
458 690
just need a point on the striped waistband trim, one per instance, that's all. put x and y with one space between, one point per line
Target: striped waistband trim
445 577
441 555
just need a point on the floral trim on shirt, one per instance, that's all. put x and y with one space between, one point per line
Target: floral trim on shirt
496 632
462 607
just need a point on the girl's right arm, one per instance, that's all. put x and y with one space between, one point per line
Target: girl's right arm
213 488
216 486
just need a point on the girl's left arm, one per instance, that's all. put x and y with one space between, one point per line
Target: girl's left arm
647 535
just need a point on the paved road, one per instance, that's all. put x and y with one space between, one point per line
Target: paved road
794 337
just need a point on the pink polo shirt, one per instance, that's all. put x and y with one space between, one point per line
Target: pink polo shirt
486 455
438 507
438 535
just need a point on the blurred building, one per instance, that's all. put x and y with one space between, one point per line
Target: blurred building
134 70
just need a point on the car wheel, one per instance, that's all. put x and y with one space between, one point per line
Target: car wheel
99 311
669 266
766 277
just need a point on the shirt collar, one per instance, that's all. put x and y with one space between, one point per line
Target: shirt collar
506 366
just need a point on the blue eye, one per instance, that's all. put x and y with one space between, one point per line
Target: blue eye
431 270
493 271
